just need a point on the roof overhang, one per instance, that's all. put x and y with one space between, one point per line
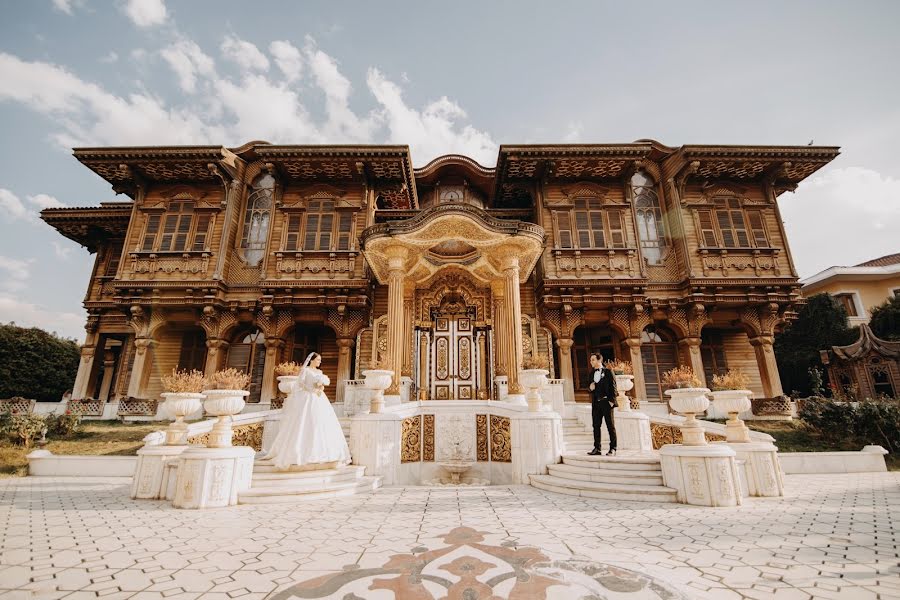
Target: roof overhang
833 274
92 224
453 237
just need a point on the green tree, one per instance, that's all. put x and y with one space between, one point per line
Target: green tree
885 322
820 324
36 364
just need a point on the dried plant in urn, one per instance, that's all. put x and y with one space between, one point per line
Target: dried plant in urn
733 379
681 377
536 361
287 369
380 364
619 367
231 379
184 382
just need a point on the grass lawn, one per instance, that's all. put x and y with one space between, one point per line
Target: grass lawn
793 436
93 437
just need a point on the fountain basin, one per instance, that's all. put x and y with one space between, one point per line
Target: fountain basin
456 468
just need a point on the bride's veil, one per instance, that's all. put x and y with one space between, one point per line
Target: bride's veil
306 362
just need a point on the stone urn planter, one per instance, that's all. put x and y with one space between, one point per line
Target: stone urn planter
377 380
533 380
688 402
223 404
733 402
286 383
624 383
180 405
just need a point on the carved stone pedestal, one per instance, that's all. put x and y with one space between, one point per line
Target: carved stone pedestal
151 481
375 444
633 431
702 475
212 477
536 441
761 467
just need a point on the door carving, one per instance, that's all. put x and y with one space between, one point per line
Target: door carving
453 358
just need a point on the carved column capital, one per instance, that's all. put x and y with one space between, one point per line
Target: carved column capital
633 342
346 343
565 345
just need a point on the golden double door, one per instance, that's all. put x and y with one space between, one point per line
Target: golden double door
453 359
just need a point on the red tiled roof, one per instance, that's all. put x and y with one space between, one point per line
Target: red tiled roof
890 259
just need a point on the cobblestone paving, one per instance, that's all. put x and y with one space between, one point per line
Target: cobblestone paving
834 536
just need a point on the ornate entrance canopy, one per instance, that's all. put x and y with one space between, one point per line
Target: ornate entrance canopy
453 235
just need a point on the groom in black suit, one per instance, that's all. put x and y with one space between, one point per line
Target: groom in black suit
603 401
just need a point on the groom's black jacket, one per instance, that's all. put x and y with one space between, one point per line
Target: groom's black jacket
606 389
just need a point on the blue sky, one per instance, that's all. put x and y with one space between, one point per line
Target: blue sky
441 77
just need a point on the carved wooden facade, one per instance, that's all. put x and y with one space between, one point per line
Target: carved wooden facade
249 256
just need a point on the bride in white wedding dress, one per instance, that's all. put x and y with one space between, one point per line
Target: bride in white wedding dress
309 433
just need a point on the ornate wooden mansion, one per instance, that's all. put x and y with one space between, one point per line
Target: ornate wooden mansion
452 273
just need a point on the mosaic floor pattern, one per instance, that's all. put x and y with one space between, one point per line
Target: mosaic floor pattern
832 537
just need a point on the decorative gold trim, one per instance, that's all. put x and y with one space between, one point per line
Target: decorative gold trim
501 441
411 439
481 438
671 434
428 438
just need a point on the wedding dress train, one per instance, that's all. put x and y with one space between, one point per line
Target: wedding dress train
309 432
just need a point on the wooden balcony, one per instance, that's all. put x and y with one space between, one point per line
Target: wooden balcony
595 263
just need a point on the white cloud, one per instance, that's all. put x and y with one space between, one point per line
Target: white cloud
16 273
61 251
26 314
11 207
244 54
433 131
288 59
842 217
63 6
110 58
573 133
188 61
42 201
232 110
146 13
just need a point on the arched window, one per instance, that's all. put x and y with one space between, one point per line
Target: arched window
649 217
247 353
257 218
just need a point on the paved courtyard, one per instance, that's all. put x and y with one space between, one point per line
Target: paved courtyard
834 536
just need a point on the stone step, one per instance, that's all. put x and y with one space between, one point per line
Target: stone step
266 466
309 478
617 476
620 462
278 494
607 491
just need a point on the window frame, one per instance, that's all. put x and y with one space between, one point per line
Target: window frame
161 212
727 206
605 214
303 213
661 241
855 299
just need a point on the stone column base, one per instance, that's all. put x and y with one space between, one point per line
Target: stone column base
761 467
536 441
633 431
212 477
375 444
151 481
517 399
702 475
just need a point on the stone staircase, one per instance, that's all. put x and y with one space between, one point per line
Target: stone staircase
580 439
633 478
270 486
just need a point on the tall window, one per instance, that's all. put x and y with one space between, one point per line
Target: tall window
326 229
730 226
712 353
193 350
649 218
594 227
179 229
658 355
255 232
590 340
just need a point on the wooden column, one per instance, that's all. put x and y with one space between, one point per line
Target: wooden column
565 368
691 348
345 350
482 393
142 360
514 322
273 352
109 365
409 295
424 352
637 366
395 325
768 368
215 350
85 368
501 361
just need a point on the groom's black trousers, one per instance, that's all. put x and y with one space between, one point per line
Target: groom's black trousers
601 410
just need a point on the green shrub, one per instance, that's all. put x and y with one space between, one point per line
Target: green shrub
865 422
36 364
63 425
26 428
